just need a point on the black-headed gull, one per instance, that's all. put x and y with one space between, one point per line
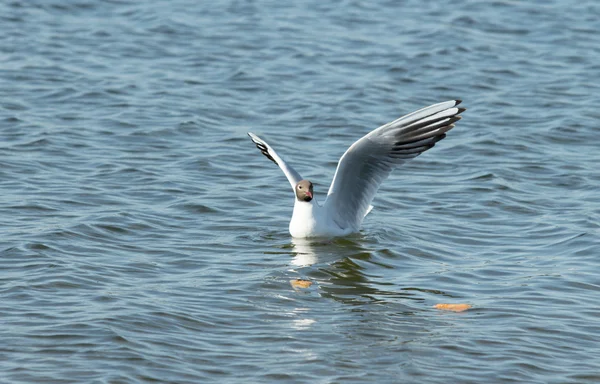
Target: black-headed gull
362 169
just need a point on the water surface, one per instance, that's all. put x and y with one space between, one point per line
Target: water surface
144 238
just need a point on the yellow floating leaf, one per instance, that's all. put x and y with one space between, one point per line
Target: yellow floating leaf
299 283
453 307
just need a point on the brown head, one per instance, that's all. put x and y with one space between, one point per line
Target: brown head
304 190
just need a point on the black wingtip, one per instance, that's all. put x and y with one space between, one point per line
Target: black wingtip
265 151
461 110
263 148
458 101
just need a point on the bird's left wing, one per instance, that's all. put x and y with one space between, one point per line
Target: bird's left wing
369 161
291 174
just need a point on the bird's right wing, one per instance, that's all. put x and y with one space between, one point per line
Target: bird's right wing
291 174
370 160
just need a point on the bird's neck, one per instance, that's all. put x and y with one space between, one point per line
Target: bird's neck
305 208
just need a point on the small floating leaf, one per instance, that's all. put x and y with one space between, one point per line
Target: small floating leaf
453 307
299 283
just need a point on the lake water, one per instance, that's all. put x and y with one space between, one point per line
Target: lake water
144 238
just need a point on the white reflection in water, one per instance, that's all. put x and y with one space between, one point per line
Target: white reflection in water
302 323
305 253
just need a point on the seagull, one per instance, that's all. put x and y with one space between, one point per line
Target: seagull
361 170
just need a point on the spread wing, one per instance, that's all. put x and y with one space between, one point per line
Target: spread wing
292 176
370 160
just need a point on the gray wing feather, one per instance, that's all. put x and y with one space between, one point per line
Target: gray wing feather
370 160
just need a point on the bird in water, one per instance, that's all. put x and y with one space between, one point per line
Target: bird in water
361 170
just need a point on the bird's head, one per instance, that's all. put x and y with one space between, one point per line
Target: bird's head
304 190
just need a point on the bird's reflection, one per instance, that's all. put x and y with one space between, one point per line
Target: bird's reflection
304 252
307 252
341 270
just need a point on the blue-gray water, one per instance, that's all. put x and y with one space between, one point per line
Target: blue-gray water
144 237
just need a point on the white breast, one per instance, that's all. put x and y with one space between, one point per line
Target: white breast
311 220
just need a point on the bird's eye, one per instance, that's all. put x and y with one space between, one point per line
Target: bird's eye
299 187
